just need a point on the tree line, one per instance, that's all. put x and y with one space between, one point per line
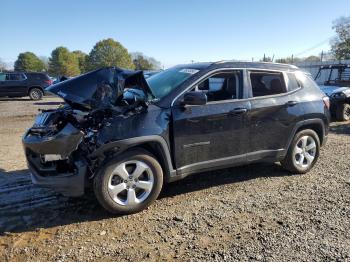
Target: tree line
107 52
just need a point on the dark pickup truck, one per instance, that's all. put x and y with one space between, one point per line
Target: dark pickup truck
337 88
126 136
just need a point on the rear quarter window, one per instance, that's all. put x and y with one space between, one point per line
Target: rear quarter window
293 83
38 77
305 80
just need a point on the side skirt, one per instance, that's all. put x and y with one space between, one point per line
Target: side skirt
222 163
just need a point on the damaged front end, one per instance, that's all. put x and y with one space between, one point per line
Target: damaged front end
59 145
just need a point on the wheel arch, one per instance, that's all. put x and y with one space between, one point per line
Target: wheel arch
154 144
316 125
158 152
31 87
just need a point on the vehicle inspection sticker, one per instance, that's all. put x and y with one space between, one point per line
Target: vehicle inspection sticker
189 71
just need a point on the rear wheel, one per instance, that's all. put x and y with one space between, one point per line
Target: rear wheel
303 152
343 112
36 93
129 183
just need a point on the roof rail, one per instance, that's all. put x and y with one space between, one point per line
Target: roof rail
246 61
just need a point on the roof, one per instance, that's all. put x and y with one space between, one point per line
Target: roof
23 72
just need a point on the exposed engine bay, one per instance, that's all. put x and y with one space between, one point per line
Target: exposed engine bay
62 140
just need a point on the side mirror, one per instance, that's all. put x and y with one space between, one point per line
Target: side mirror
195 98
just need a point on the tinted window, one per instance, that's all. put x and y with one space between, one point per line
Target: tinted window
38 76
14 77
2 77
293 83
267 83
222 86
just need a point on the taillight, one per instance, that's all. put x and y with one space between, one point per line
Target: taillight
326 102
48 81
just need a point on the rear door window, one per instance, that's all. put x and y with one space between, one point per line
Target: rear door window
266 83
15 77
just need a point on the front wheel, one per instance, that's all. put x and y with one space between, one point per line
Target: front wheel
343 112
129 183
36 93
303 152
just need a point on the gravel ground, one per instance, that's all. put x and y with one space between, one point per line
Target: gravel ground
255 213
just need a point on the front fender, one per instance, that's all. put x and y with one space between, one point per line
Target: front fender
120 146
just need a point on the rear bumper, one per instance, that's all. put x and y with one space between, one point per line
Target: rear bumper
68 184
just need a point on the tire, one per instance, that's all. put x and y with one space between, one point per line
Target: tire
301 156
36 93
342 112
129 182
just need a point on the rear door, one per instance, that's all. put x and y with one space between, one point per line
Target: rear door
208 135
274 113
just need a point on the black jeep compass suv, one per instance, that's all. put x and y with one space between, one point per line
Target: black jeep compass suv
127 136
20 84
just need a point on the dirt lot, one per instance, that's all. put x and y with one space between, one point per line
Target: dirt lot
257 212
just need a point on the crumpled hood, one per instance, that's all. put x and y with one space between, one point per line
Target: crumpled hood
330 90
101 87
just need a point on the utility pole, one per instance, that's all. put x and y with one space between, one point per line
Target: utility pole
292 59
322 56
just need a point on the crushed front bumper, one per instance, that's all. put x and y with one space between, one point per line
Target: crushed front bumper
68 184
51 162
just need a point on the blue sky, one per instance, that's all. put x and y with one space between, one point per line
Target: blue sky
172 31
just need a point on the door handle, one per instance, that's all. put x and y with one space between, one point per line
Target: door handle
292 103
238 111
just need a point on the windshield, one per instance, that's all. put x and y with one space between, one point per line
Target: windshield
164 82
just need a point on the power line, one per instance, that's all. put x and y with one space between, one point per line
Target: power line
314 47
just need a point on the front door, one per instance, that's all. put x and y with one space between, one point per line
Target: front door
214 133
